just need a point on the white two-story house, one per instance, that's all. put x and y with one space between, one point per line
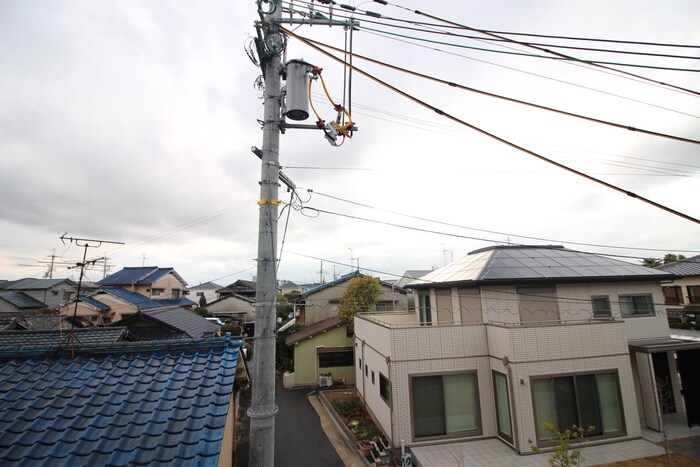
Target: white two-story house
509 338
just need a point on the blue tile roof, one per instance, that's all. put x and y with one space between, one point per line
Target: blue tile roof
131 276
141 302
160 403
94 303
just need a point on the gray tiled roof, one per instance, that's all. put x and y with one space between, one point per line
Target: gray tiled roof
176 319
518 264
21 300
83 336
686 267
36 284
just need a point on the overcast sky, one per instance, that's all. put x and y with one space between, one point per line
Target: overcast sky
132 121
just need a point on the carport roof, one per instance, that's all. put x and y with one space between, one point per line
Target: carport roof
662 344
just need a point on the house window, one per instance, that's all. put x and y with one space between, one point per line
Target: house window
601 307
385 389
199 294
336 358
359 363
673 295
445 405
636 305
156 292
424 309
366 370
538 304
585 400
373 378
67 296
175 293
694 293
381 306
500 386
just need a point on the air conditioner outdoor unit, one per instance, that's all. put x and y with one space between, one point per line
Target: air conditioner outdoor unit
325 381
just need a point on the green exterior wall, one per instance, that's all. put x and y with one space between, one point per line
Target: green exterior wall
306 369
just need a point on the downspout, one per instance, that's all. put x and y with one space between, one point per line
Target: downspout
391 409
516 436
364 365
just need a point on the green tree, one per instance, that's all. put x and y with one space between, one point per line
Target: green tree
285 311
670 258
564 454
360 297
202 301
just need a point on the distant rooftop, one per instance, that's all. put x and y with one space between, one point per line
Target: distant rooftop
139 276
684 267
536 263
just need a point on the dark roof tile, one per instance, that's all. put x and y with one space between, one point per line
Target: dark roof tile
156 404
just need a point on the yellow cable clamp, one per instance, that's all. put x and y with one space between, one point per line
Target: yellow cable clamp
274 202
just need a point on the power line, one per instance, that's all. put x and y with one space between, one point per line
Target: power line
446 21
509 99
494 136
496 232
549 78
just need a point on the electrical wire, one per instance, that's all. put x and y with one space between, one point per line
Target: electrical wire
507 67
446 21
497 96
370 18
507 234
498 138
549 78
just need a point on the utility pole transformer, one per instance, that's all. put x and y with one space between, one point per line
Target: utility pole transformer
270 45
262 411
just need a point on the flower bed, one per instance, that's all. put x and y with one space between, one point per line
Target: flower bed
359 426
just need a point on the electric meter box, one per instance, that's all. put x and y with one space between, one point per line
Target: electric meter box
298 75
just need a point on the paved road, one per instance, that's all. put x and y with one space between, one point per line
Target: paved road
299 438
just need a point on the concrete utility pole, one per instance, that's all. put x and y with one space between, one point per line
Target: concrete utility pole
263 409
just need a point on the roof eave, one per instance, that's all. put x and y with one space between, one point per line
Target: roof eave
545 280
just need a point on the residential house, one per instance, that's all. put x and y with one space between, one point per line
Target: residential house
509 338
321 302
110 304
234 306
165 324
16 301
157 403
51 292
682 295
286 287
323 353
240 287
206 290
149 281
408 277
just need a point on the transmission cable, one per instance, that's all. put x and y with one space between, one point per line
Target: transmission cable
492 135
493 231
446 21
509 99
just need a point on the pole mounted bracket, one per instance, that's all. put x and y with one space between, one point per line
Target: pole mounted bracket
274 202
